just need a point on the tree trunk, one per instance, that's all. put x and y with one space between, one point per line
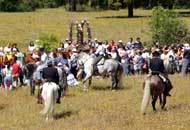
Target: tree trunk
72 5
130 8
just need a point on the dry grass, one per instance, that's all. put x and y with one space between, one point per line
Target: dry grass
23 27
99 109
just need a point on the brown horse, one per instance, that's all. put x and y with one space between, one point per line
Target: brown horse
154 86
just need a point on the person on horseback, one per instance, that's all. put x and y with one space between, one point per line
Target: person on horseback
156 66
50 74
100 52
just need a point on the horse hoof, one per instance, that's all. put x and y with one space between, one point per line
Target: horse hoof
164 109
144 114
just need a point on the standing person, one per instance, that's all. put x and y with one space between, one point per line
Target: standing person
111 46
73 62
31 47
157 68
2 56
61 76
185 60
7 74
130 43
50 74
138 43
15 71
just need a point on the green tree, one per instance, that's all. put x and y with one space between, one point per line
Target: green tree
48 41
166 27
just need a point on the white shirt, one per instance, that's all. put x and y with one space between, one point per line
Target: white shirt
31 48
43 57
100 50
7 72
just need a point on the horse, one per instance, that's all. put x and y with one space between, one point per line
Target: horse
49 95
29 70
154 86
106 67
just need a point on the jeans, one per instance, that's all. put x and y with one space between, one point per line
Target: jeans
7 78
185 63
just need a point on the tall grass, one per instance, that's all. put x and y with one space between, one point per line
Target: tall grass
24 27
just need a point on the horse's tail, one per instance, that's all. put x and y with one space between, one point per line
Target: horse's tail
120 75
48 99
146 96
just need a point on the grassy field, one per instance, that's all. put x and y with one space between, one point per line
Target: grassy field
99 109
105 25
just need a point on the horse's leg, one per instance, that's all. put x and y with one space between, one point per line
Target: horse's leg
90 81
154 102
39 97
113 79
31 87
89 75
164 101
160 97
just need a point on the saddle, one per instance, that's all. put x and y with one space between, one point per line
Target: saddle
165 81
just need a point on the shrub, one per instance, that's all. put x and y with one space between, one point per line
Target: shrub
166 27
48 41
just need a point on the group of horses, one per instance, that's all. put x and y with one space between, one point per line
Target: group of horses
153 85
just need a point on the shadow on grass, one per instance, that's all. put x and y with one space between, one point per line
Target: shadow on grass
178 106
122 17
107 88
2 107
64 114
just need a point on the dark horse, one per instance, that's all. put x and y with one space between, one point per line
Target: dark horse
154 86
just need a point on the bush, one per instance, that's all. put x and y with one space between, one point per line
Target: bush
166 27
48 41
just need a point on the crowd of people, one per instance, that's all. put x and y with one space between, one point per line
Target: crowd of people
133 56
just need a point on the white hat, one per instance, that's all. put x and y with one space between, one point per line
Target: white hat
120 41
95 39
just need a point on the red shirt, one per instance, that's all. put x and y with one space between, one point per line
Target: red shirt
15 69
111 46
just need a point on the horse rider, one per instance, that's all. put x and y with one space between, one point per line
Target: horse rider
50 74
157 68
100 52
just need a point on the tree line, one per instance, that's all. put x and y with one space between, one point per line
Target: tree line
87 5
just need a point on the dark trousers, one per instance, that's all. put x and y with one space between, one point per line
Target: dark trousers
96 62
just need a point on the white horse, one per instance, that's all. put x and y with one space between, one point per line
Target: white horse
49 96
109 67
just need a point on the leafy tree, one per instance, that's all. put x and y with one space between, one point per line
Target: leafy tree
48 41
166 27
